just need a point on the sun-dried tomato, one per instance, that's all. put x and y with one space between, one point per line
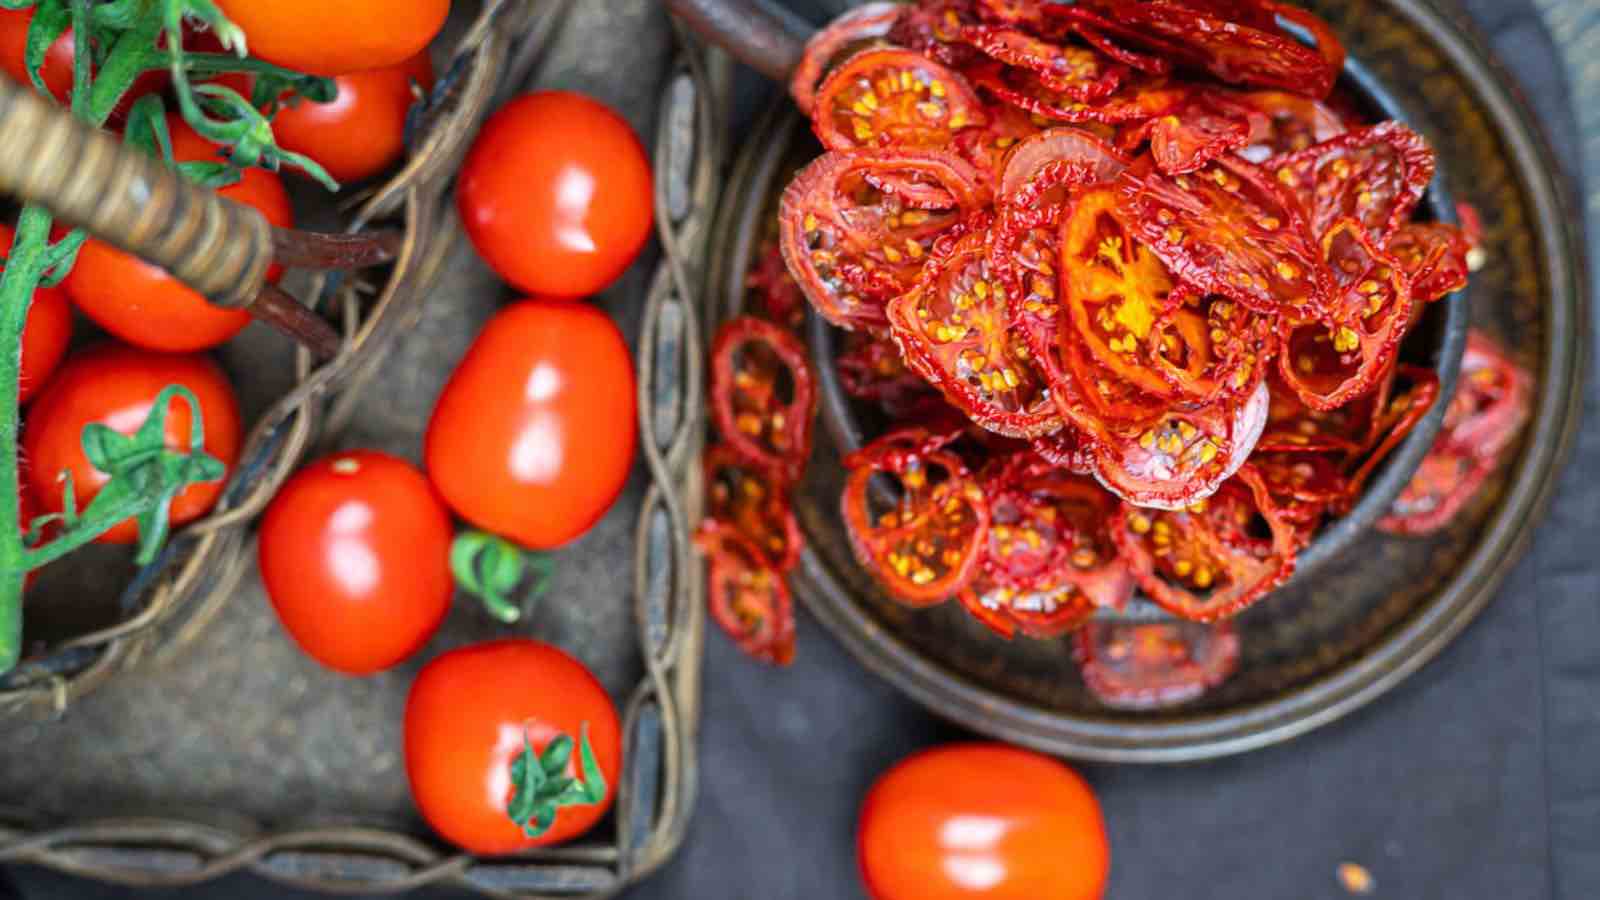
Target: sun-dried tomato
870 369
1227 229
933 28
1098 32
891 98
748 597
1301 476
1446 481
953 329
1134 100
923 544
1153 665
1208 125
988 147
1395 414
1211 559
851 245
1286 123
1072 71
1434 257
1068 449
1375 174
763 394
1333 355
1184 456
1292 426
772 290
754 501
867 22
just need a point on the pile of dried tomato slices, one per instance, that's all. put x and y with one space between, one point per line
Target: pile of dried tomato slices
1130 280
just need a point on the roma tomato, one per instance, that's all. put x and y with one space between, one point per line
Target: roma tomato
360 132
982 820
335 38
556 194
144 305
466 719
533 436
355 555
56 70
116 386
46 334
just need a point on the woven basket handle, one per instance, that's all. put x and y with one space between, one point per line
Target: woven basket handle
88 179
757 35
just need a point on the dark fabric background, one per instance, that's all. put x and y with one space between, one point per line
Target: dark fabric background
1478 779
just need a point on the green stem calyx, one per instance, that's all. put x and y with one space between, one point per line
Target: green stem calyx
492 568
542 786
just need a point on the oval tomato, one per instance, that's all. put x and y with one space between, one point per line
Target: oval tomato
361 131
116 386
533 436
467 717
556 194
355 556
982 820
335 38
46 334
143 304
56 70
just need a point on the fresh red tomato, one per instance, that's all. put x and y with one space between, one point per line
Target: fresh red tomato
466 719
360 132
56 70
46 334
982 820
533 436
355 555
556 194
335 37
116 386
144 305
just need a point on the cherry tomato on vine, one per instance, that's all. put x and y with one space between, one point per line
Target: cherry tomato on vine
556 194
116 386
533 436
361 131
466 720
335 37
355 556
982 820
143 304
56 70
45 336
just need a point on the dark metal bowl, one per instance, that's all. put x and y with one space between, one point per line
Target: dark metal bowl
1321 645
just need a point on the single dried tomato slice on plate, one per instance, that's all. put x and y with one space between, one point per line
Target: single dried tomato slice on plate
763 394
1152 665
747 595
887 97
754 501
1446 481
851 244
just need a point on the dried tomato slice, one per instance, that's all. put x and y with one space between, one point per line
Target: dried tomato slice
870 369
772 290
1097 30
754 501
1446 481
1049 527
763 394
892 98
1151 665
1067 449
1072 71
748 597
925 547
953 329
1042 612
864 23
1301 477
1205 127
1227 229
933 28
1434 256
1396 415
985 606
851 245
1375 174
1293 426
1213 558
1136 99
1286 123
988 147
1184 456
1343 351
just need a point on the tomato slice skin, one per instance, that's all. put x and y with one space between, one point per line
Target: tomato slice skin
749 599
886 97
747 408
1155 665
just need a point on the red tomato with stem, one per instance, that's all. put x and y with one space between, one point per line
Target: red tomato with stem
361 131
556 194
45 335
355 556
533 436
466 720
116 386
56 70
143 304
982 820
335 37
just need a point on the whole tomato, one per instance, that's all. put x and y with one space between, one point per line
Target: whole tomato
556 194
335 37
116 386
361 131
355 555
982 820
533 436
143 304
46 333
56 70
466 719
